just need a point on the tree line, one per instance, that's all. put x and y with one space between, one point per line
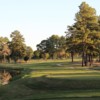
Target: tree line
52 48
15 49
82 39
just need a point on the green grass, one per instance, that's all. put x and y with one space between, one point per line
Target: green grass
46 80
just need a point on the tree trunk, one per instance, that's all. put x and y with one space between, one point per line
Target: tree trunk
4 58
91 60
8 59
99 57
83 59
89 57
83 53
72 56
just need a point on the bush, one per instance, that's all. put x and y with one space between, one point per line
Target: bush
26 58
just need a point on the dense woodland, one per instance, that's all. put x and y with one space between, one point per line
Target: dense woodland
82 39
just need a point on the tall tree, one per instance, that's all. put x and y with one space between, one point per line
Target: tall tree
4 48
37 54
6 52
85 30
98 40
53 44
29 53
17 46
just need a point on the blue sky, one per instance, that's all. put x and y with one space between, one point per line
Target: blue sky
39 19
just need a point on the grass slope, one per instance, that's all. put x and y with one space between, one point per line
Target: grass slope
49 81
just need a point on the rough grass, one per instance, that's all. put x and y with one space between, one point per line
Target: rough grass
46 80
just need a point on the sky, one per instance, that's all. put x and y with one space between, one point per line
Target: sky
39 19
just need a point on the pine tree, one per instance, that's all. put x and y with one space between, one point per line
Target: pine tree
85 31
17 45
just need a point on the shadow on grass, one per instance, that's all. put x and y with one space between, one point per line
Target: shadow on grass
69 98
44 88
45 83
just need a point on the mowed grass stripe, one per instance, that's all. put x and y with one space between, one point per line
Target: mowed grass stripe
64 73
